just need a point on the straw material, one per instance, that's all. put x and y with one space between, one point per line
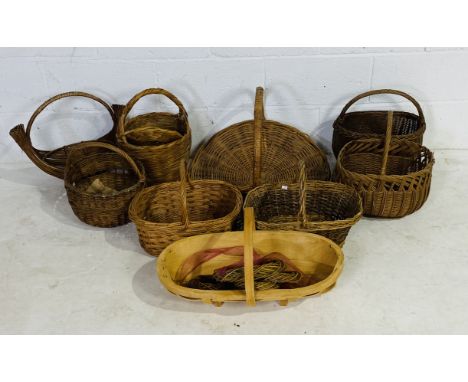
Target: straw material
392 176
101 180
52 162
318 261
158 140
373 124
167 212
325 208
258 151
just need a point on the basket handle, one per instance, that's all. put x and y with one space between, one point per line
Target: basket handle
249 230
384 91
302 215
388 139
22 136
157 91
259 117
183 193
109 147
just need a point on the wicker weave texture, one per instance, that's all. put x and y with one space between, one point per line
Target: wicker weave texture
258 151
162 160
91 161
52 162
373 124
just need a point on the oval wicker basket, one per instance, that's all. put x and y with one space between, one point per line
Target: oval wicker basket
101 180
258 151
168 212
372 124
52 162
317 257
325 208
392 176
168 138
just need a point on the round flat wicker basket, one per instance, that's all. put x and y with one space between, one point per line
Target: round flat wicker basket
325 208
373 124
167 212
258 151
318 258
392 176
137 137
52 162
118 176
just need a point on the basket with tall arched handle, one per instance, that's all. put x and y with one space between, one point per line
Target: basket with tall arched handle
170 211
159 140
101 180
392 176
52 162
325 208
373 123
319 260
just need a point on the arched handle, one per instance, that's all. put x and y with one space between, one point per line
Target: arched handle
384 91
107 146
183 193
259 117
249 229
129 106
388 139
302 215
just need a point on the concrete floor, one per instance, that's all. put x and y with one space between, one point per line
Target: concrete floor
59 275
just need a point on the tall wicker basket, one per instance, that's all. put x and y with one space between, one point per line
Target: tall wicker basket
392 176
161 160
52 162
372 124
167 212
258 151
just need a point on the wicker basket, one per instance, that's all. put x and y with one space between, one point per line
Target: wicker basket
258 151
392 176
168 212
53 161
372 124
158 140
101 180
325 208
318 258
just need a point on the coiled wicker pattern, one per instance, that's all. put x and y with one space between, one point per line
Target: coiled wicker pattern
91 161
52 162
372 124
161 161
325 208
392 176
258 151
168 212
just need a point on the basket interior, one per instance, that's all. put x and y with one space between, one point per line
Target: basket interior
375 122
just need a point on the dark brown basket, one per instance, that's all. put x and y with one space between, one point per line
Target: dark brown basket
324 208
259 151
52 162
115 170
168 212
161 160
392 176
373 124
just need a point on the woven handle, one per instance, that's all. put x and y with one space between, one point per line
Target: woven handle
302 215
259 117
384 91
183 193
249 229
388 139
109 147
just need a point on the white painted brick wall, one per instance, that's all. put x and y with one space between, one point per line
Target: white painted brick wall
305 87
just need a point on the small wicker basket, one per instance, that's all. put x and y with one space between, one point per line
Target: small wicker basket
392 176
258 151
159 140
168 212
318 258
101 180
325 208
52 162
372 124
